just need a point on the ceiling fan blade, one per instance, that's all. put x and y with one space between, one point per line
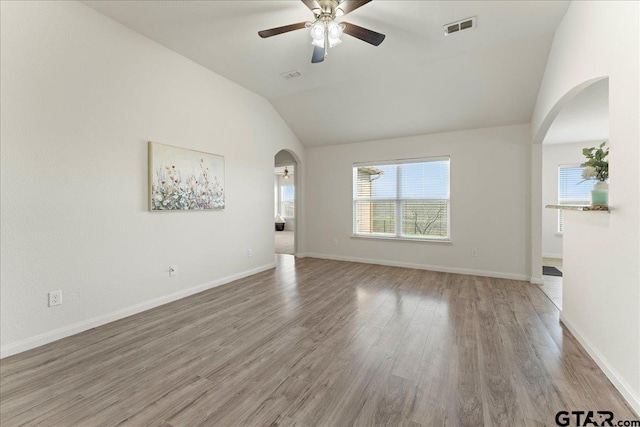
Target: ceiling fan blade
363 34
348 6
279 30
318 55
311 4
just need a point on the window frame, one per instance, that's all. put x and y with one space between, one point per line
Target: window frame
398 201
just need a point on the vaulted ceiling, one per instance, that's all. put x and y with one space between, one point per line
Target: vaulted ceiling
417 81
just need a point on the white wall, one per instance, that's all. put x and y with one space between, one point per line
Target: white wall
276 195
601 298
81 96
552 157
489 202
535 187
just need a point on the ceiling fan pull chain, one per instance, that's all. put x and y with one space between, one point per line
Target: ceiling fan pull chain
326 39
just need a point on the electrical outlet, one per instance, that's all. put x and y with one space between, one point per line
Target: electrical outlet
173 270
249 253
55 298
336 242
474 252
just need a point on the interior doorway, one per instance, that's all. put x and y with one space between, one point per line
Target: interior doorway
582 123
284 193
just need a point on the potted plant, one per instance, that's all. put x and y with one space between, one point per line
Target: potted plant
597 167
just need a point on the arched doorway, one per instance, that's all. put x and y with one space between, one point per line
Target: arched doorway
579 120
286 202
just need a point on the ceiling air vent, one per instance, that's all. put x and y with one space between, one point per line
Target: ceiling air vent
290 74
456 27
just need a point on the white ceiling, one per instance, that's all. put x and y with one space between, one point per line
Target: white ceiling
417 81
584 119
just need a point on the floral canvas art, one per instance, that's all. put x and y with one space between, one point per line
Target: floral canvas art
182 179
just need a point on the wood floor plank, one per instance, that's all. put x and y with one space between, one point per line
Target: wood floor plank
318 343
465 404
433 380
498 393
388 402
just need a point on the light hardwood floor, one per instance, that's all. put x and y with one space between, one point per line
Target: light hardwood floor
318 342
552 285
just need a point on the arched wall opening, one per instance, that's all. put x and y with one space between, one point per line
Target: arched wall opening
562 103
289 160
580 119
540 139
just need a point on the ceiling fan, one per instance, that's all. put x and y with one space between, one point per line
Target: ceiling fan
325 31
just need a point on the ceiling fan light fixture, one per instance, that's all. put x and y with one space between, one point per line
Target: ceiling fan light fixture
334 42
317 31
333 33
335 30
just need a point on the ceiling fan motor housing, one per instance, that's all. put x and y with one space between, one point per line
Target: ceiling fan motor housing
327 11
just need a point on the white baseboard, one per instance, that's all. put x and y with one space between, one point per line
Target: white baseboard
536 281
472 272
619 383
554 256
48 337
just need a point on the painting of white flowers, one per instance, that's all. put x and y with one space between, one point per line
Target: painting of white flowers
181 179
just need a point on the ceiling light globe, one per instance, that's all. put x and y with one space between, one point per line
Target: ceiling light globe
317 31
335 30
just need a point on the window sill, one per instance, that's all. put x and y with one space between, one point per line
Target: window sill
582 208
401 239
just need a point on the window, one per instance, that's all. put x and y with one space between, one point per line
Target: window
572 190
402 199
287 200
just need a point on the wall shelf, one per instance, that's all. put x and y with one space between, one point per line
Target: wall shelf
596 208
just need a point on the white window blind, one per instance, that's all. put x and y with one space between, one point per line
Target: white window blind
572 190
287 207
402 199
